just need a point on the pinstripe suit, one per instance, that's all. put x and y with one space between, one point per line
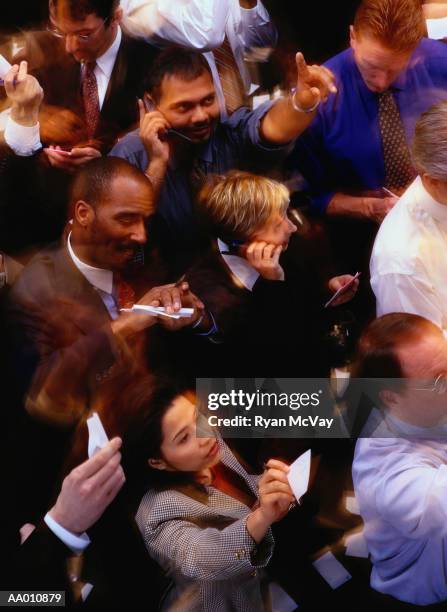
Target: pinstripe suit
205 547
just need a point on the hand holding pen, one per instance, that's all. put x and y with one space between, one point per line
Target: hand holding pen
25 94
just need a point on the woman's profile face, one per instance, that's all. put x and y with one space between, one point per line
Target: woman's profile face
181 449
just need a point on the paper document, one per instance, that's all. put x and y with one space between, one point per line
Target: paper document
332 570
281 601
97 437
160 311
298 475
437 28
5 67
352 505
356 545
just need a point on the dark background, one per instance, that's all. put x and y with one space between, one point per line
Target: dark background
319 29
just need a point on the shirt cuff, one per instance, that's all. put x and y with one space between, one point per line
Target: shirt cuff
255 16
321 202
23 140
77 543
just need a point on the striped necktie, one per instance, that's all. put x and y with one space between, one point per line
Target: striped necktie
230 77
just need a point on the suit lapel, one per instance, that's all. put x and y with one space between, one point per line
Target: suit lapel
74 286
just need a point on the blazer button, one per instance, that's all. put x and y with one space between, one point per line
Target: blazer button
254 574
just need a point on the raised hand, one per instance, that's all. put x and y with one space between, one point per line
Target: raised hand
314 84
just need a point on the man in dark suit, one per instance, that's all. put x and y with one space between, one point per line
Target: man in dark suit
88 518
91 74
68 339
91 70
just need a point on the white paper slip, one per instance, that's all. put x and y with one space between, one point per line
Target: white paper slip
332 570
97 437
437 28
5 67
161 311
298 475
352 505
281 601
356 545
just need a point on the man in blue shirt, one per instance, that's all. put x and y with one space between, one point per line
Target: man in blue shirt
389 76
181 139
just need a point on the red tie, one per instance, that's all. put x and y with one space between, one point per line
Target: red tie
90 97
123 292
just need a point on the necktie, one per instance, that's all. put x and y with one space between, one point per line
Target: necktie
123 293
399 171
90 97
230 77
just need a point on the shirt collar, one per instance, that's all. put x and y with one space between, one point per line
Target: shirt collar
239 266
99 278
107 61
431 206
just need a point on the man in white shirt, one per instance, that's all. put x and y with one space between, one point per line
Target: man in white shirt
205 25
400 463
409 259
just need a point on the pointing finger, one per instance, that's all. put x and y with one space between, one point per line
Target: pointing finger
303 70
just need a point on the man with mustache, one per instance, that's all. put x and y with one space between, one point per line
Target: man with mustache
182 139
68 339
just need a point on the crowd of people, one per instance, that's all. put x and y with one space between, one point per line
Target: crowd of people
184 198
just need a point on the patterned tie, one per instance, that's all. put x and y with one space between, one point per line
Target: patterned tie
90 97
123 293
399 171
230 77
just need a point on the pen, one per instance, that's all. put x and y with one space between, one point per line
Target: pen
390 193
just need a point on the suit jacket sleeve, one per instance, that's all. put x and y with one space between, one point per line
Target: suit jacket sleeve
205 553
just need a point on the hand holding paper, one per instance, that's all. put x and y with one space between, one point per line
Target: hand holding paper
5 67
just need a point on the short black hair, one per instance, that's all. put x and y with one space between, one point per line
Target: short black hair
92 182
79 9
174 61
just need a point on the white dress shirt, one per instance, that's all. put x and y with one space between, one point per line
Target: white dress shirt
239 266
77 543
25 141
401 486
104 67
202 25
100 279
409 259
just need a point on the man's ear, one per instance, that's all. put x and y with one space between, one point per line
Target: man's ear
156 464
388 398
352 36
117 16
83 213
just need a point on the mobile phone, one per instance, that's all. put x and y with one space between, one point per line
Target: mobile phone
233 247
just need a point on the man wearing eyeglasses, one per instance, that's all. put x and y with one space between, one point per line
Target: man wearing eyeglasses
400 463
98 80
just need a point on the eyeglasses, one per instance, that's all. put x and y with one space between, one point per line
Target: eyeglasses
439 386
81 37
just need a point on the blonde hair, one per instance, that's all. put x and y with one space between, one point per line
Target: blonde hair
240 203
398 24
430 142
